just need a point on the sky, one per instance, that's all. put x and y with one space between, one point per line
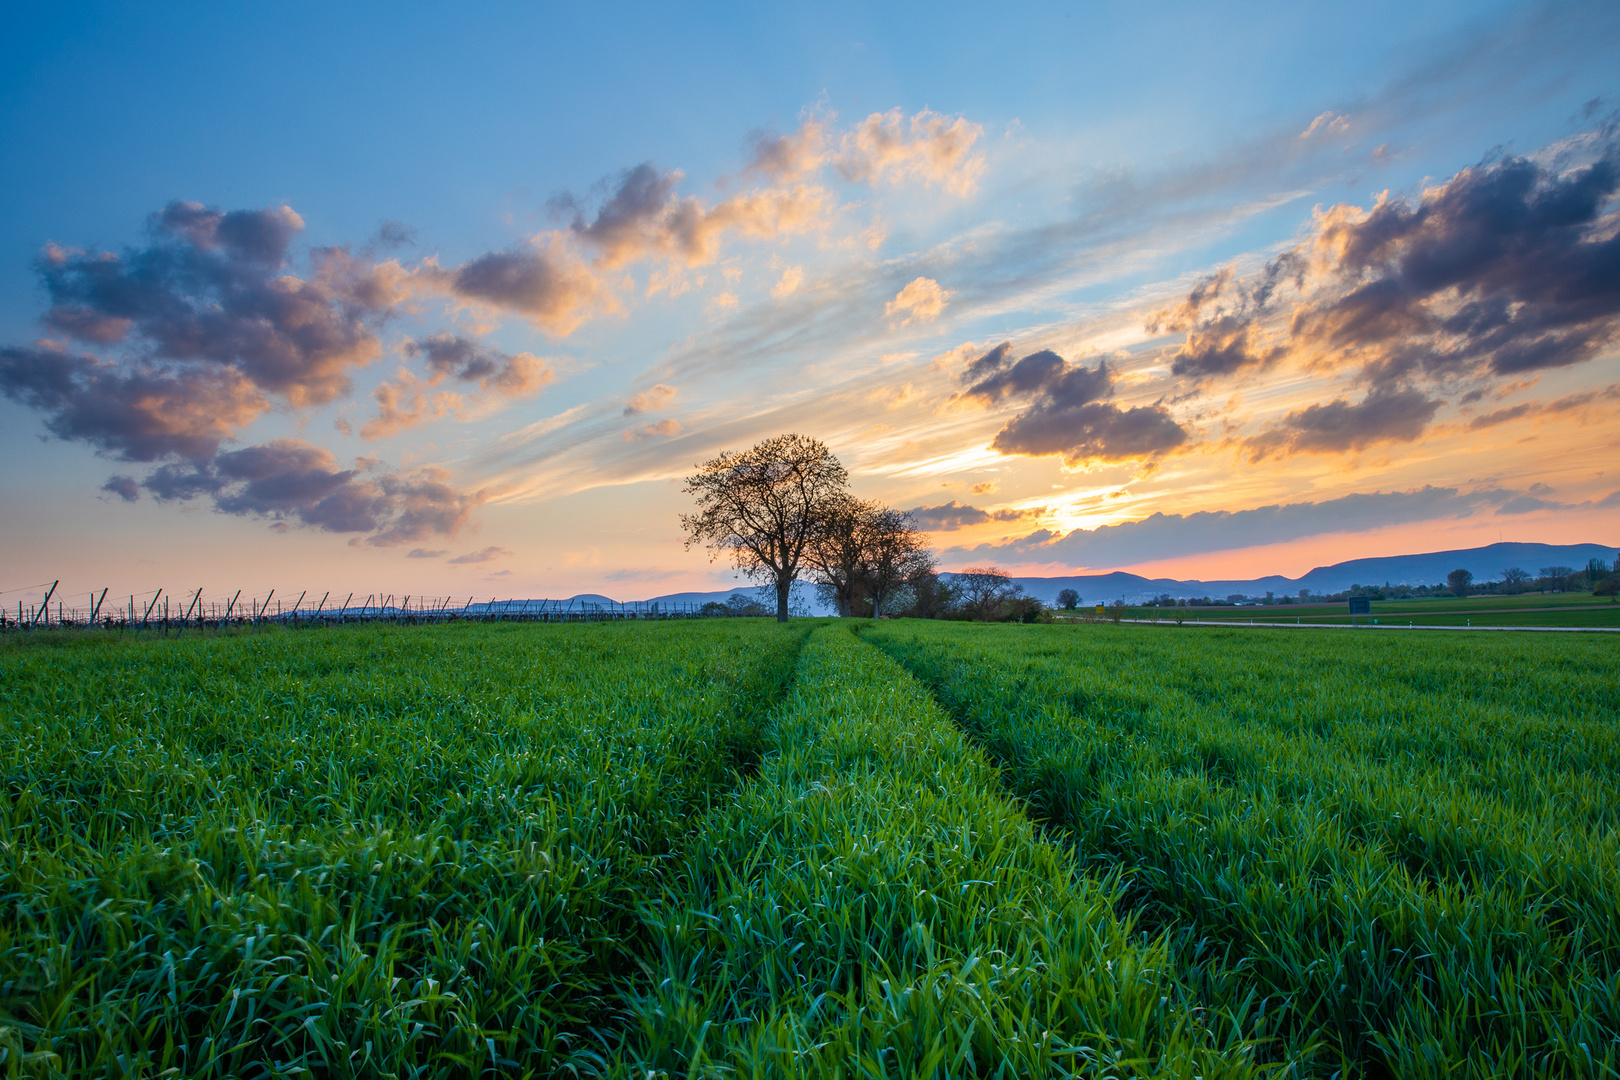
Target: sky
447 301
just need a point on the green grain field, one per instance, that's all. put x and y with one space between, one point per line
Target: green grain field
1527 609
730 848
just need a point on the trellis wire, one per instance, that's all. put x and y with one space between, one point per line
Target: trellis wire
159 610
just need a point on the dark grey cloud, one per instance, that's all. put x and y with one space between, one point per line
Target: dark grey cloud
261 236
187 338
948 517
424 553
635 208
290 480
1223 346
1094 431
135 411
465 359
1511 266
545 285
994 379
524 280
282 478
1525 504
125 487
1220 316
1064 413
1384 415
216 290
1166 536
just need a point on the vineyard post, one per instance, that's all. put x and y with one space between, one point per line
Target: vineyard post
147 614
97 609
295 606
322 605
195 600
44 606
231 605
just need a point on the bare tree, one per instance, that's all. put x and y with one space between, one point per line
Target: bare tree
863 551
897 554
1555 578
763 506
983 590
1514 578
837 552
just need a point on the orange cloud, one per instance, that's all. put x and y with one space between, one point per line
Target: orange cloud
922 300
650 400
886 148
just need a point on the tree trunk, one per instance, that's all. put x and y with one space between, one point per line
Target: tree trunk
784 586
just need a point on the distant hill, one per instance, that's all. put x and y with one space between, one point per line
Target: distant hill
1427 568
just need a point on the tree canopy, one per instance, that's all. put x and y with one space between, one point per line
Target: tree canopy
763 506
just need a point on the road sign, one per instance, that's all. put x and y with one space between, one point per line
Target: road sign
1360 605
1101 610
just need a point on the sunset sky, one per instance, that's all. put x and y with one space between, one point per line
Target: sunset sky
311 296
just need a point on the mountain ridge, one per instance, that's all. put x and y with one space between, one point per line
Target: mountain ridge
1419 568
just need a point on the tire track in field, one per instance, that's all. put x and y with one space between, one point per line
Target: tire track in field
873 901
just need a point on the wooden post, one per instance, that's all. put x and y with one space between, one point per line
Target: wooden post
148 613
44 607
322 605
97 609
231 605
195 600
295 606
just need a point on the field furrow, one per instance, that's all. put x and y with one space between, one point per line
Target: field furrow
873 904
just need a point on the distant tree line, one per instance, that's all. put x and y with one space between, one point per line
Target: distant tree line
978 593
1599 577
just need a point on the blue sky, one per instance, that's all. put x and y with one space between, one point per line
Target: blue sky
1056 178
